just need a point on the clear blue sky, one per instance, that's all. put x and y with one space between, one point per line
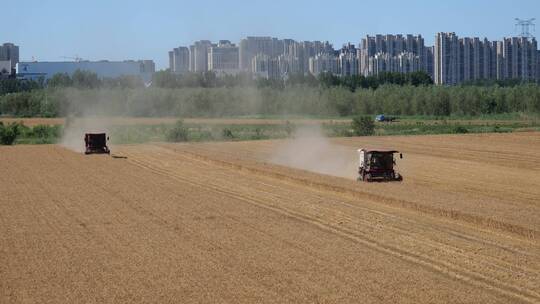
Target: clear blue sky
119 29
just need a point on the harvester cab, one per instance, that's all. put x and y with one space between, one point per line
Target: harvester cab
378 165
96 143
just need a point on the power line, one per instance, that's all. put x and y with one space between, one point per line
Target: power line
526 25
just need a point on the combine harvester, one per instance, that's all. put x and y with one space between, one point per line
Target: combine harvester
96 143
378 165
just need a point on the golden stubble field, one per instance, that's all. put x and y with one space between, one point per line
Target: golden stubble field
235 222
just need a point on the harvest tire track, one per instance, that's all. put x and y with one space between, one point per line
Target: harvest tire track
514 291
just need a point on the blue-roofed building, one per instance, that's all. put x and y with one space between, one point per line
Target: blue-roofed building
104 69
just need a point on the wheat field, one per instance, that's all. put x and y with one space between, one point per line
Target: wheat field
249 222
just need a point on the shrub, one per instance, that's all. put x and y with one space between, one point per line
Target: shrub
258 134
178 133
289 128
227 133
363 126
9 133
42 134
460 130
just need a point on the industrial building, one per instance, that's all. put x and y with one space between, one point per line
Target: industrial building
104 69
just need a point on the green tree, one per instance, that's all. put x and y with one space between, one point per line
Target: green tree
60 80
85 80
9 133
164 79
363 126
178 133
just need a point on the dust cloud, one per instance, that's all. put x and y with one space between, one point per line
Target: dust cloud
75 128
310 150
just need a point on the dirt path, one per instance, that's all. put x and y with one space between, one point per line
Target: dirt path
209 223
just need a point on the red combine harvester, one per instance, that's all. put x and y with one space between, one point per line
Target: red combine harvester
378 165
96 143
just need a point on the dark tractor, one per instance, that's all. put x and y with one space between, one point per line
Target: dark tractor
96 143
378 165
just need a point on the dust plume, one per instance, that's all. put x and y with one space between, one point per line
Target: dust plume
86 114
75 128
310 150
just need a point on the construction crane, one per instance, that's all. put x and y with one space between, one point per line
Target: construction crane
526 25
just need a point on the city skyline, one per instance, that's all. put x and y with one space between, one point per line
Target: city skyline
452 60
139 30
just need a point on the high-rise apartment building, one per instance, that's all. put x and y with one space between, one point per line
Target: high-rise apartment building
538 66
348 64
5 69
393 45
179 60
284 57
289 64
223 58
252 46
324 63
452 60
405 62
476 58
446 59
293 56
408 63
517 58
293 60
10 52
309 49
265 66
430 64
458 60
348 60
198 56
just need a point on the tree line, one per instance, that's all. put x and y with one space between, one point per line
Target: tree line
293 100
164 79
204 94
